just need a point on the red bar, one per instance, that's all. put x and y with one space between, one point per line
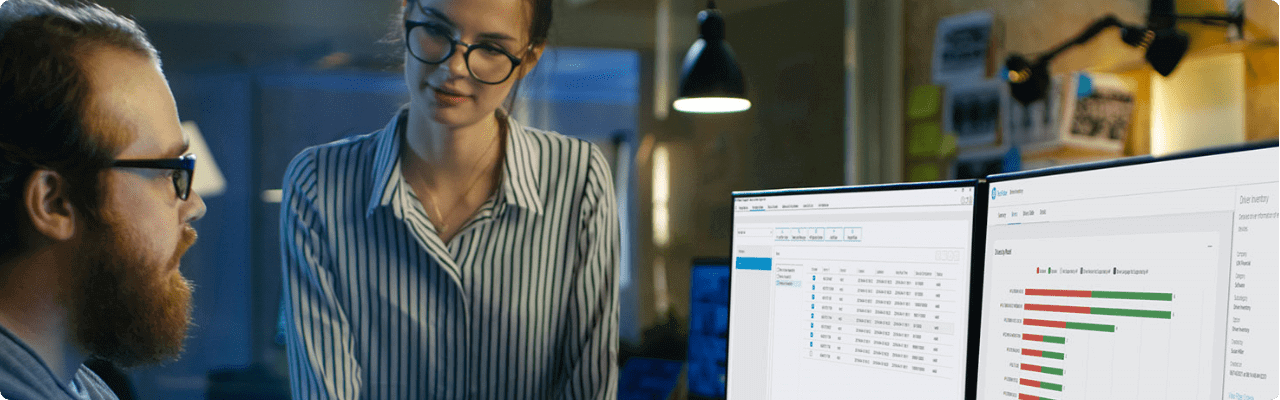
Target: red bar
1066 309
1047 324
1034 338
1032 352
1059 293
1028 382
1024 396
1030 367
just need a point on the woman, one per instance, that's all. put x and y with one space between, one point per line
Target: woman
455 253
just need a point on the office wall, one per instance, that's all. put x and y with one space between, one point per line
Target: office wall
791 53
1030 27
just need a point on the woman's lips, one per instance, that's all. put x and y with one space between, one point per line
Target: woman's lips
447 98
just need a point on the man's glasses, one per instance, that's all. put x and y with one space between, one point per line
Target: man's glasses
433 43
183 168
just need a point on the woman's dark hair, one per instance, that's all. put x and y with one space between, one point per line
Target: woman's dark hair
539 26
539 33
47 120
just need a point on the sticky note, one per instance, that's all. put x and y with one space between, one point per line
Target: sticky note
924 101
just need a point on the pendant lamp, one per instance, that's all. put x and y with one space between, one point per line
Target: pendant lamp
710 80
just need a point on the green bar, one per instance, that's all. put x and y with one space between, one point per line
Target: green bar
1133 295
1091 327
1053 355
1051 370
1055 339
1050 386
1131 313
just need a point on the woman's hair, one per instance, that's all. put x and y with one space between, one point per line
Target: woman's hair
539 33
539 26
47 120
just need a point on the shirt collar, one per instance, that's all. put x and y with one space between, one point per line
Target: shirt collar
519 186
520 168
386 160
25 370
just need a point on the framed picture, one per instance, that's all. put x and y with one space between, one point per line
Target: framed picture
1098 109
971 112
1035 126
961 46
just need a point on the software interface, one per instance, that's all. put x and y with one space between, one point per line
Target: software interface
842 293
1148 281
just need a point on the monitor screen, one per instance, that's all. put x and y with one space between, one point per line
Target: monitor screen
862 292
1142 279
708 327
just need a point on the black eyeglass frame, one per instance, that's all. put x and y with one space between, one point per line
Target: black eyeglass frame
453 48
186 164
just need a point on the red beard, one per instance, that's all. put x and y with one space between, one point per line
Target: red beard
126 309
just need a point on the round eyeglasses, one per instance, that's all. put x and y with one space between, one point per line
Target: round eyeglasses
433 43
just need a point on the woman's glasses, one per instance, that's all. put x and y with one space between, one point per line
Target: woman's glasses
183 168
433 43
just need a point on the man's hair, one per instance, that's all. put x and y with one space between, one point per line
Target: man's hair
47 118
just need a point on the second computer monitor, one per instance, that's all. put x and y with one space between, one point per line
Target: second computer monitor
1147 279
843 293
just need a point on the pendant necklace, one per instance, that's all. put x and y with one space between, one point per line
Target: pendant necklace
443 225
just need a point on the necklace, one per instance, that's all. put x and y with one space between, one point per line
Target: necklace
443 225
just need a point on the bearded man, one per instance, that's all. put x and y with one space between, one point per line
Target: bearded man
95 201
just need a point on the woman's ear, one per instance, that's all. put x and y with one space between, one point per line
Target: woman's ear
47 205
530 60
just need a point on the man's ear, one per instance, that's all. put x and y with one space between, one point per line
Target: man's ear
47 204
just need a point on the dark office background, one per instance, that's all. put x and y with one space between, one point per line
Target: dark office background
828 81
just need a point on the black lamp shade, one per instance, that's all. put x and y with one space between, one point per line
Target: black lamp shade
1028 81
710 80
1166 49
710 69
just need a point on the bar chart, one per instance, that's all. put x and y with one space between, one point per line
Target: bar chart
1103 325
1034 304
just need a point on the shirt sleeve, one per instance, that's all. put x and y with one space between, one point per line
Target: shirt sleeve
317 333
592 354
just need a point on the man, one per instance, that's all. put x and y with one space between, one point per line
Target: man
95 201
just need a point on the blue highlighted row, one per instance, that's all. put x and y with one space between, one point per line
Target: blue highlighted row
755 263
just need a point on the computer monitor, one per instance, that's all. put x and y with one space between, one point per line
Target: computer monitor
1147 278
856 292
708 327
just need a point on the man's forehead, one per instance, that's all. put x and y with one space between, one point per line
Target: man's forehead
132 105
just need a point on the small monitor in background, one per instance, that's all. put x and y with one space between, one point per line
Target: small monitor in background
1146 278
851 293
644 378
708 328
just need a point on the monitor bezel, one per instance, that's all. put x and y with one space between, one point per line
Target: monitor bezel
1131 161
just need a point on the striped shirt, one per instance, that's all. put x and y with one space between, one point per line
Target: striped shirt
521 304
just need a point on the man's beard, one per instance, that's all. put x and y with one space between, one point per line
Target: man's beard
125 308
